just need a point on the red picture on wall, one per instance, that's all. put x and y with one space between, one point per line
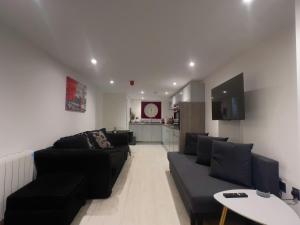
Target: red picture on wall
75 96
151 110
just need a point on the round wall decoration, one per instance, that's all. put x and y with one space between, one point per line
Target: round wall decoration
151 110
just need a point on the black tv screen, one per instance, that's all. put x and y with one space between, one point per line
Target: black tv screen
228 100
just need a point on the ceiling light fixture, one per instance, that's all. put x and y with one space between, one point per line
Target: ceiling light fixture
166 93
247 1
192 64
94 61
111 82
174 83
142 92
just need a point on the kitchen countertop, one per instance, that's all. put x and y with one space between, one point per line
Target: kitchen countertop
145 123
171 126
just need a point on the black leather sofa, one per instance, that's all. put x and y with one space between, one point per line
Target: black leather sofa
68 173
197 187
101 167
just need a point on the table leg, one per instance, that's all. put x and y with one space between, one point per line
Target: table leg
223 217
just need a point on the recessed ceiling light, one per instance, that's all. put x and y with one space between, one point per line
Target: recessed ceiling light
166 93
142 92
224 92
94 61
247 1
192 64
174 83
111 82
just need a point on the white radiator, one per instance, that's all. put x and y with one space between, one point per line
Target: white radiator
15 172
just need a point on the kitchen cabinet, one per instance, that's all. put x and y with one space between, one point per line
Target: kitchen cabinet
176 138
192 92
170 139
192 120
147 132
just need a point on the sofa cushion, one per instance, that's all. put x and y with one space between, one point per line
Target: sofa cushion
232 162
101 140
191 140
265 174
71 142
195 185
51 191
92 140
204 148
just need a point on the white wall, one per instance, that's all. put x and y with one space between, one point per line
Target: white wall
297 13
271 102
298 68
99 109
166 112
115 112
32 96
135 105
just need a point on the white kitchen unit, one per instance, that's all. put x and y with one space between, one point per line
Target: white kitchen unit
192 92
147 132
170 138
176 139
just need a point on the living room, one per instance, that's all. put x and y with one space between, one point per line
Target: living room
133 59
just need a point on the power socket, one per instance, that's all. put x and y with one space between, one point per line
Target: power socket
282 186
295 193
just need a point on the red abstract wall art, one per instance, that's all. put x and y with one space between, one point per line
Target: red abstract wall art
75 96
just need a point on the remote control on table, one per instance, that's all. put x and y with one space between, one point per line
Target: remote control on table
235 195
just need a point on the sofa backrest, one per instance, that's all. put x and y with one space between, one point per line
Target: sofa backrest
71 142
265 174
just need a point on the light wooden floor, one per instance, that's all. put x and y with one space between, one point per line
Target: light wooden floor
144 194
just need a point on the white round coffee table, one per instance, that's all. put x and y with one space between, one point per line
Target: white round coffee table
269 211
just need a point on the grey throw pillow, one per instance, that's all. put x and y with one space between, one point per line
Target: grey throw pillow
232 162
191 140
204 148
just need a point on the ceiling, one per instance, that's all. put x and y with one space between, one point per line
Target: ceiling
149 41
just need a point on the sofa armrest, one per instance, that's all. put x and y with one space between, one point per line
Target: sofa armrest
265 174
95 165
118 139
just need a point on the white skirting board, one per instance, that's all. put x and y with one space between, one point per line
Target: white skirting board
15 172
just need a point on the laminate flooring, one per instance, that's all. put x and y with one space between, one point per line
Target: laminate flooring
144 194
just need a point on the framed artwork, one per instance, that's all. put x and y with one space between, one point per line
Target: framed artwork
151 110
75 96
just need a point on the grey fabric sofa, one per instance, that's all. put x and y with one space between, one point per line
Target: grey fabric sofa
197 187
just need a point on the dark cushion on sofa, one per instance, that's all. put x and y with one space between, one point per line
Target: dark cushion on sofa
92 140
51 199
195 185
232 162
48 192
204 148
191 140
102 129
71 142
265 174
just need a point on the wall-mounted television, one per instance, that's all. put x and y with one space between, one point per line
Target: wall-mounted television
228 100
